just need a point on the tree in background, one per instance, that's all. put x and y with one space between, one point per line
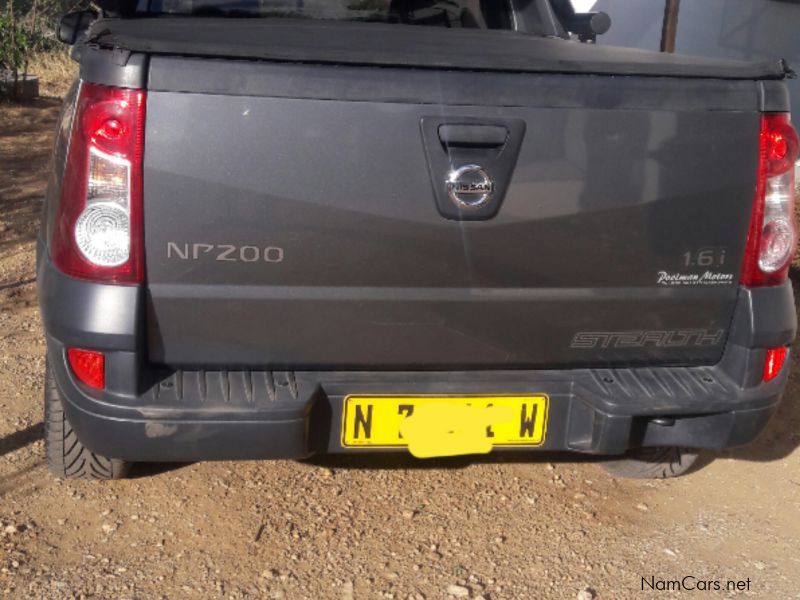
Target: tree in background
27 28
15 44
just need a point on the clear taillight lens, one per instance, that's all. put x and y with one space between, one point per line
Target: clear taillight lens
778 234
103 229
98 230
773 236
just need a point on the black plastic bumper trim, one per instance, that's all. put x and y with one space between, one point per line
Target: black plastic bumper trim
302 414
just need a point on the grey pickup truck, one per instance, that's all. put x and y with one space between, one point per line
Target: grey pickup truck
278 228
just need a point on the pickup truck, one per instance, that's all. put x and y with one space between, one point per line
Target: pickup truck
276 229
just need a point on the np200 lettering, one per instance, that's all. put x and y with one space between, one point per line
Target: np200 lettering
225 252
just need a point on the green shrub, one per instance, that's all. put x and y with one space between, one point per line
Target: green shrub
15 47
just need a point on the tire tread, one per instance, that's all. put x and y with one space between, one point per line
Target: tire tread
67 457
653 463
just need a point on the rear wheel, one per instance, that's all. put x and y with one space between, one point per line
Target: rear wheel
653 463
66 455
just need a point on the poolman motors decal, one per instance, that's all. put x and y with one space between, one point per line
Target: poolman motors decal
707 278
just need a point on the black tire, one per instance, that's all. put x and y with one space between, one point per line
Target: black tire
67 458
653 463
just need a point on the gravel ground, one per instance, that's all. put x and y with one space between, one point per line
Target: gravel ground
363 527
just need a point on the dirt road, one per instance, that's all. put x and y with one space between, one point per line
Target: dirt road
371 528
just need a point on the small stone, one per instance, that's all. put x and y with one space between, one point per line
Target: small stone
458 591
408 514
669 552
348 590
10 529
642 507
586 594
759 565
108 528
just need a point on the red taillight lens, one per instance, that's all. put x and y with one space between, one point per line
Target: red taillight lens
98 229
774 363
772 237
88 366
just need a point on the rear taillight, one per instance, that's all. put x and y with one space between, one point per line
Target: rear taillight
98 230
773 363
772 237
88 366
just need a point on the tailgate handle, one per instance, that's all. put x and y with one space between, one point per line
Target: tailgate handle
473 136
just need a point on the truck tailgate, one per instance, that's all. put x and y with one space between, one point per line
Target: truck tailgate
293 217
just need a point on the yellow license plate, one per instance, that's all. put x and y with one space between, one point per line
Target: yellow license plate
444 425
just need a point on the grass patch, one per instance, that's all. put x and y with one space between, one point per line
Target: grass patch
56 71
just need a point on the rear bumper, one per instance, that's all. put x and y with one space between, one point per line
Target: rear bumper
208 415
167 415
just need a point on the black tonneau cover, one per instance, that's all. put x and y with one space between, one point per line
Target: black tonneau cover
353 43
